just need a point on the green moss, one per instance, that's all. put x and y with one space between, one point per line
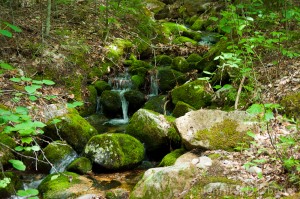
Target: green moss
115 151
214 156
295 196
74 129
291 105
164 60
101 86
169 78
139 67
199 24
156 104
183 40
50 187
193 58
170 158
6 153
117 49
170 28
180 64
111 103
193 93
197 191
80 165
137 81
223 135
181 109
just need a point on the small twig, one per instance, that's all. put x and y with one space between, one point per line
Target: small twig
239 93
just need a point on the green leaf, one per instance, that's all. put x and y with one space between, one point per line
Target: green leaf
102 8
28 192
255 109
15 79
17 164
4 182
32 98
15 28
26 79
74 104
36 148
49 97
6 33
268 115
54 177
38 124
251 134
48 82
37 82
6 66
27 140
55 121
19 148
22 110
32 88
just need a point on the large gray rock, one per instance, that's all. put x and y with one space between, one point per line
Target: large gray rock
114 151
165 182
214 129
156 131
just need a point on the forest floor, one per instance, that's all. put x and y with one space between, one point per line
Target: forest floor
275 81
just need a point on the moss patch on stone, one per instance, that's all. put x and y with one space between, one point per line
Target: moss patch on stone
114 151
183 40
291 105
163 60
193 93
101 86
170 158
180 64
223 135
74 129
80 165
181 108
169 78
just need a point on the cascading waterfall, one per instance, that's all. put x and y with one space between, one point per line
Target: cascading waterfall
153 84
121 84
99 106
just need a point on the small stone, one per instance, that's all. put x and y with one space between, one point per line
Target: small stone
204 162
195 161
254 169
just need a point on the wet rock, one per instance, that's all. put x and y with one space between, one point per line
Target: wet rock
101 86
114 151
169 78
111 103
155 131
214 129
81 165
64 185
72 128
59 154
135 99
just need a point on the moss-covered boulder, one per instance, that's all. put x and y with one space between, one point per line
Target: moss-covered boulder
208 63
214 129
81 165
117 49
182 108
111 103
170 158
139 67
137 81
90 100
101 86
59 154
7 144
164 182
13 183
184 40
156 131
154 5
169 78
291 105
196 93
72 128
114 151
64 185
135 99
163 60
180 64
156 104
